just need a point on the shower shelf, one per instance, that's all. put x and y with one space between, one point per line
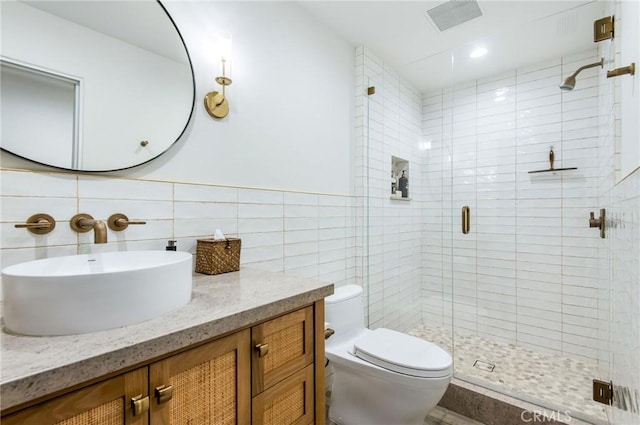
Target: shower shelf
551 169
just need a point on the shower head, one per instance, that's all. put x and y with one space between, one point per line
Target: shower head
570 82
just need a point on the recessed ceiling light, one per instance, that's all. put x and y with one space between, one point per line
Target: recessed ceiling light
478 52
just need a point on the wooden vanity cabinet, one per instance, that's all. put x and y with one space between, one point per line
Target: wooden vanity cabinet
283 378
230 380
107 402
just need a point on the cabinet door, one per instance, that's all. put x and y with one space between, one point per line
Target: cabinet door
282 346
106 403
205 385
289 402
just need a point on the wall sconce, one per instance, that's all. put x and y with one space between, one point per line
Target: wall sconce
216 103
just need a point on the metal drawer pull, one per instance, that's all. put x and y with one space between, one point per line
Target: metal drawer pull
466 219
139 404
164 393
262 349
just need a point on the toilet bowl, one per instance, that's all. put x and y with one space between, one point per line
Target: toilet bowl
379 376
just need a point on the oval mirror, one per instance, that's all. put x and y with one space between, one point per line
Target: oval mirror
92 86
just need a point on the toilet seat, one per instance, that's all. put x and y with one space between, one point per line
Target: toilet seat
403 353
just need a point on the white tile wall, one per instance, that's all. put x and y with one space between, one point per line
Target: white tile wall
389 232
296 233
525 272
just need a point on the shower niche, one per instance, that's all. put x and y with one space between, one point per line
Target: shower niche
399 179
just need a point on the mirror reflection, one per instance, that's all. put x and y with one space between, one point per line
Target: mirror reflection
92 86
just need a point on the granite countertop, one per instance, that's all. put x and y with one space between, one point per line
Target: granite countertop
33 367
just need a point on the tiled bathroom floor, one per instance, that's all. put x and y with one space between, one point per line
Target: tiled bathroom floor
553 381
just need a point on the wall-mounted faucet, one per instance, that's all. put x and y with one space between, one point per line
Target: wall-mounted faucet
598 222
83 223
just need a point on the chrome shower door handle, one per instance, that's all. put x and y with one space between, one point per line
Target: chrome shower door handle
466 219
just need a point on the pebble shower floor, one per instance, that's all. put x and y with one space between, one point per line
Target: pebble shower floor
540 378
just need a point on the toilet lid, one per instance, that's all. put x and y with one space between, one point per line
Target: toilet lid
403 353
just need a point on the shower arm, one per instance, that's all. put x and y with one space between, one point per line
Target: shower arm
591 65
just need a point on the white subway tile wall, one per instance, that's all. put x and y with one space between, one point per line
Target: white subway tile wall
389 231
300 234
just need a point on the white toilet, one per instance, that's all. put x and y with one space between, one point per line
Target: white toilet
381 376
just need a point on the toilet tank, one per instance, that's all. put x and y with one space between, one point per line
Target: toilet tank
344 310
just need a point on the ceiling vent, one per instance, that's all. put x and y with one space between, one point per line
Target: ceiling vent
453 12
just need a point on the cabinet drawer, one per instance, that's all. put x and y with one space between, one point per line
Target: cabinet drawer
288 402
282 346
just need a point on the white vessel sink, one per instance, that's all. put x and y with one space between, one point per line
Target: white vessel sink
87 293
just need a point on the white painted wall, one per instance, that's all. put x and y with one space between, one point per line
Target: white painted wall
290 124
52 100
291 101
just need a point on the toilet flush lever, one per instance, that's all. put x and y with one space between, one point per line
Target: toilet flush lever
598 222
328 332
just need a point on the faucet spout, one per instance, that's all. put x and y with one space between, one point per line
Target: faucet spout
99 229
83 223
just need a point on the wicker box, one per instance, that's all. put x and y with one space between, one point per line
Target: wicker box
215 256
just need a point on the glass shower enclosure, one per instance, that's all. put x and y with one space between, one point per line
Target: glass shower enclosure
486 249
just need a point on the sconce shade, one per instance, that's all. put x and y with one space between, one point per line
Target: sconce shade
224 43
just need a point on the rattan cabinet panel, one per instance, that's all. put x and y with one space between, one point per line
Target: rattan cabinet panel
105 403
288 402
290 343
206 385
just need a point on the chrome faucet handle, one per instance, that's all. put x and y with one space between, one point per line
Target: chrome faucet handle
118 222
